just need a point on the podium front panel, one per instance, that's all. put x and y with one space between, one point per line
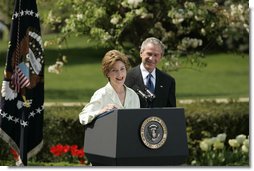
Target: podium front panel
175 146
101 136
116 138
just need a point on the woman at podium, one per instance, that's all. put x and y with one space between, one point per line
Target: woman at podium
115 94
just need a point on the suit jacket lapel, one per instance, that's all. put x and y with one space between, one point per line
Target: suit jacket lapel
140 80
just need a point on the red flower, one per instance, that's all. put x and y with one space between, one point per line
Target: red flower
72 152
81 153
57 150
66 148
15 154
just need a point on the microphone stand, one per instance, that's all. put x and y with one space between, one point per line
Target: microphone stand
150 98
149 101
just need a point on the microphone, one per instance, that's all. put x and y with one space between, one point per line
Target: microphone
150 94
139 92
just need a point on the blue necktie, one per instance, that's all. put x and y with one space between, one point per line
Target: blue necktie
149 83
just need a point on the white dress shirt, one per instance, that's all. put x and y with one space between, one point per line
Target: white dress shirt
107 95
145 73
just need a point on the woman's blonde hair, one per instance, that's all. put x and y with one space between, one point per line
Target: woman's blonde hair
110 58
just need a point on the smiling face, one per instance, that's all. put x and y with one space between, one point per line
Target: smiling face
151 55
117 74
114 66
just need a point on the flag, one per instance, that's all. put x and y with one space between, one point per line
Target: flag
22 92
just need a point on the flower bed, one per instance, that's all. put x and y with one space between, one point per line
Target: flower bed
204 121
70 153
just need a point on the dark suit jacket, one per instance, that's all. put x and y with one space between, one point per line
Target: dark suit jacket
164 88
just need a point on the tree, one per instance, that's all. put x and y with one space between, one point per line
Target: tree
186 27
6 12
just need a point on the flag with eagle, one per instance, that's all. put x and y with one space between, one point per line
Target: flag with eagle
22 92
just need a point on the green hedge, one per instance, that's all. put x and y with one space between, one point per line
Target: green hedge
208 119
61 124
231 118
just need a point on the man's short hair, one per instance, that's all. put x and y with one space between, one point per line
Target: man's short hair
154 41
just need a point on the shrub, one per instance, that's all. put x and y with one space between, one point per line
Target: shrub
61 125
216 152
207 119
203 120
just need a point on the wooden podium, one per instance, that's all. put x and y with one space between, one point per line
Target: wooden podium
138 137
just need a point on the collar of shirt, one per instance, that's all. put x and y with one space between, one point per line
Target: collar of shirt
113 95
145 73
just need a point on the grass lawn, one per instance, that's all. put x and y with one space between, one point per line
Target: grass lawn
226 75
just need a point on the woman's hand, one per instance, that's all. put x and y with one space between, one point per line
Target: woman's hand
108 107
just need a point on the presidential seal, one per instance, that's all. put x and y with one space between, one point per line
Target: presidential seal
153 132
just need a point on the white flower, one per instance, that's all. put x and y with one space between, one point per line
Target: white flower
246 143
189 5
200 42
194 43
178 18
240 8
190 14
59 63
240 138
198 18
79 16
204 146
221 137
208 1
140 11
215 4
217 145
134 3
193 162
106 37
56 68
233 143
114 20
245 149
52 69
64 58
211 141
46 43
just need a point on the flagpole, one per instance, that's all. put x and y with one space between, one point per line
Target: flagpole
23 139
23 134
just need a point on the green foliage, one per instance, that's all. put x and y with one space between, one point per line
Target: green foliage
7 8
216 151
225 76
5 153
207 119
57 164
215 118
61 125
185 27
203 120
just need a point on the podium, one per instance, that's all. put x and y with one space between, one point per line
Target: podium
138 137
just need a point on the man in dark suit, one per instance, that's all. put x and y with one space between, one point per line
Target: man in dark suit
146 75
